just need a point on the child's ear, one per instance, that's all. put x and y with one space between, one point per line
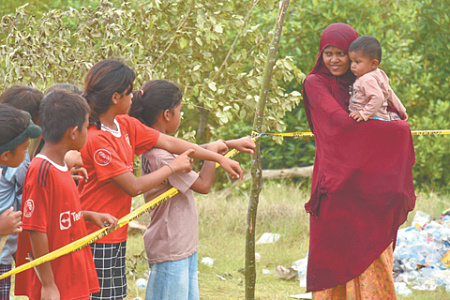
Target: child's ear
73 132
116 97
375 63
166 115
5 156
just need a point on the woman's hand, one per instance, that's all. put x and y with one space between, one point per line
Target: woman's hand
245 144
100 219
10 221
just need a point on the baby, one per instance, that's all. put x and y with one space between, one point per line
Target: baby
371 95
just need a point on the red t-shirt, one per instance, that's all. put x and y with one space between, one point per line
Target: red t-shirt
107 154
51 204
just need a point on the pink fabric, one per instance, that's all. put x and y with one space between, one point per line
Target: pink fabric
362 187
372 95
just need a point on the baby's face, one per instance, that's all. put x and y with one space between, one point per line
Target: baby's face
361 64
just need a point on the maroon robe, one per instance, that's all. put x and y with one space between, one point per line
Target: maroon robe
362 185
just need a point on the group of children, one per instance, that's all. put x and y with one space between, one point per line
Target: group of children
109 124
54 211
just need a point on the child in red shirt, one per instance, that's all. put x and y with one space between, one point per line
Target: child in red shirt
52 215
113 140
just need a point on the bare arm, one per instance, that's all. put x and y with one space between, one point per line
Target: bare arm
206 177
39 245
177 146
135 186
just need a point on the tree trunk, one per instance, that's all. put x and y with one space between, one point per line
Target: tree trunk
250 268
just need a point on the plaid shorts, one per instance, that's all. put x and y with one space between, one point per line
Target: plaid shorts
5 284
110 264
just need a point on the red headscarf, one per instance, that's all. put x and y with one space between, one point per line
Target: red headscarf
362 187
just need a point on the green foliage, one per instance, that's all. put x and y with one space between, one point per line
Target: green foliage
414 37
216 50
432 152
158 39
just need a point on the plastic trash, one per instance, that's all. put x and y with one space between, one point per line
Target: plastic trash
402 289
207 261
268 238
257 257
141 283
421 218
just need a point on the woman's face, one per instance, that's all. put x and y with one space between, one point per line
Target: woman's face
335 60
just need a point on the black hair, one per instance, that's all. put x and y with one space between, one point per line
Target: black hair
368 45
24 98
65 86
102 81
12 123
154 98
61 110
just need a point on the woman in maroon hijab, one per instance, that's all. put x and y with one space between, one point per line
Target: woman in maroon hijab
362 187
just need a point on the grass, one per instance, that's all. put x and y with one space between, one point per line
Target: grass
222 237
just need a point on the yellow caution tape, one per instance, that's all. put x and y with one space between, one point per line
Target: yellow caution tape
95 236
256 134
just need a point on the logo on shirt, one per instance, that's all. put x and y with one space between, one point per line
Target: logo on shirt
28 208
102 157
127 138
64 220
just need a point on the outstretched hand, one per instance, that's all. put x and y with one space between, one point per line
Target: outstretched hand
232 167
10 221
244 144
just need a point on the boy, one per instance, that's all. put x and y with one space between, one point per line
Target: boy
52 215
371 93
27 99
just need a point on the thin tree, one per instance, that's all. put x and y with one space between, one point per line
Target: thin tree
256 170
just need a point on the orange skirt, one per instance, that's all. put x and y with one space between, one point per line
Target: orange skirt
376 282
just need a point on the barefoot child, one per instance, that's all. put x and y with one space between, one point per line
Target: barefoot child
171 240
371 93
113 140
52 215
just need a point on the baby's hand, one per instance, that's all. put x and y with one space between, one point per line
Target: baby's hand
182 162
245 144
356 116
10 221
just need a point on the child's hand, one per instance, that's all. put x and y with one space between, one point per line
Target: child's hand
182 162
356 116
100 219
245 144
10 221
73 159
79 173
218 146
50 292
232 167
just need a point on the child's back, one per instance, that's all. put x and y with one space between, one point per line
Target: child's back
51 204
